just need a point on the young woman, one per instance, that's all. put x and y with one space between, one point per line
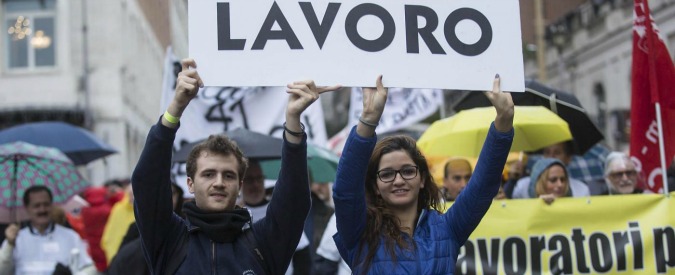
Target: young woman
549 180
386 202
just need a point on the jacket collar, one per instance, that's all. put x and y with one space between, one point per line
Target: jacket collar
50 229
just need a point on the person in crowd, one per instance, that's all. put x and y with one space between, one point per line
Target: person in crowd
621 175
121 216
328 260
94 218
514 172
129 258
116 189
391 223
217 237
321 211
456 175
563 152
44 246
550 180
256 201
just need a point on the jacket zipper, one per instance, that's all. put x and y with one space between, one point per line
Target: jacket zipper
417 254
213 258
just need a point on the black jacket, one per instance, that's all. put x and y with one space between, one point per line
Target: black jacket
168 243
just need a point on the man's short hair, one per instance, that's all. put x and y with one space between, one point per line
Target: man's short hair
219 145
36 189
455 163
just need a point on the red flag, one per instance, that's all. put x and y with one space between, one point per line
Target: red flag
653 81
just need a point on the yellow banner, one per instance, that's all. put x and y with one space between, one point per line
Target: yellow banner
629 234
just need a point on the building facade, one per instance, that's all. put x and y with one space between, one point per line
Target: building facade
95 64
590 53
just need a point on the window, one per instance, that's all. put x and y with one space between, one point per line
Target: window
30 34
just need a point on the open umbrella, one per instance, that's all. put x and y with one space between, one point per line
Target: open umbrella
321 162
254 145
464 133
23 165
564 104
80 145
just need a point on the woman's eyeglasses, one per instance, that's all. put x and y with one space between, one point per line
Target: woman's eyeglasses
389 175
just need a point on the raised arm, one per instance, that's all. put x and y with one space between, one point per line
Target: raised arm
472 204
349 188
151 182
187 86
282 226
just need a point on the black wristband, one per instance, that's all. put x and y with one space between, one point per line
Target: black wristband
296 134
371 125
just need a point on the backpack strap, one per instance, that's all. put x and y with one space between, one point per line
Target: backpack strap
249 237
178 258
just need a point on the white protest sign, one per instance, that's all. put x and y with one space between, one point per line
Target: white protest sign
458 44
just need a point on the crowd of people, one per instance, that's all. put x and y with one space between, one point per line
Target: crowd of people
384 214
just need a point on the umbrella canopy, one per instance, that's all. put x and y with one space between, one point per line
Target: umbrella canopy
321 162
80 145
23 165
464 133
254 145
564 104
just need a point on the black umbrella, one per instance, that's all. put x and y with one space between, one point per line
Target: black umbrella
566 105
79 144
254 145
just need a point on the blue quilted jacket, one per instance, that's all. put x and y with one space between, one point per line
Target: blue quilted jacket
438 237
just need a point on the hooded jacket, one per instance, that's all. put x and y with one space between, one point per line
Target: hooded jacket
438 237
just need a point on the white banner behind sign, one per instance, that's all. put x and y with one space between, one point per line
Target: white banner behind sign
404 107
272 43
219 109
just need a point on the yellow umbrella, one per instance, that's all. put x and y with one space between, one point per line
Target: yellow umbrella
464 133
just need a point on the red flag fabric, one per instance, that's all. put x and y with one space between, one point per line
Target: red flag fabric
653 81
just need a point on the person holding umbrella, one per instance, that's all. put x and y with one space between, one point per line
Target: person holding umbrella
217 237
391 224
43 247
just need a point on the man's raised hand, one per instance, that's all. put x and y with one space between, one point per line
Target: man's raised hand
302 94
187 83
187 86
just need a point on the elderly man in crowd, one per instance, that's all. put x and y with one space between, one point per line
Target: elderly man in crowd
620 175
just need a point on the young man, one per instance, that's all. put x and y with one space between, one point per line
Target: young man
456 176
43 245
217 237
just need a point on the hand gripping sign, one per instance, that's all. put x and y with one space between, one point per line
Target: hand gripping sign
414 43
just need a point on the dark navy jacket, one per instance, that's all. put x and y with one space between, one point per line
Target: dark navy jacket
438 237
170 240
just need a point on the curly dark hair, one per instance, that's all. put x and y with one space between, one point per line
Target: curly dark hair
381 221
220 145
